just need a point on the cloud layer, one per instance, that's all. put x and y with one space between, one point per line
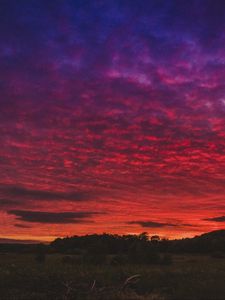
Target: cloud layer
51 217
151 224
216 219
113 107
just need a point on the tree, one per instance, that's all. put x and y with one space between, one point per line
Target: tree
155 238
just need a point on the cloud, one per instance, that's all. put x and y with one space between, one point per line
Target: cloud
216 219
17 241
151 224
21 226
7 203
16 192
98 114
52 217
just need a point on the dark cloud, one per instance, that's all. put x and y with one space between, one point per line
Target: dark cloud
17 241
17 192
21 226
52 217
7 203
216 219
151 224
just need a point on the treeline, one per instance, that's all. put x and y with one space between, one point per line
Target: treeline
104 243
116 244
139 248
114 249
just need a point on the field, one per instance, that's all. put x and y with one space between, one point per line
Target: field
187 278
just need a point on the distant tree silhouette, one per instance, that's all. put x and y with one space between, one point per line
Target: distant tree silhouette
155 238
143 236
117 249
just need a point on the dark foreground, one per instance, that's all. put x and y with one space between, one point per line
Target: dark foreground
191 277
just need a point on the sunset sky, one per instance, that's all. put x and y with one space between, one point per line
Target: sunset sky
112 117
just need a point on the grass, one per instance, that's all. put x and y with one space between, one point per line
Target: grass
188 278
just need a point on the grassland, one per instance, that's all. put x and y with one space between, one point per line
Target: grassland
187 278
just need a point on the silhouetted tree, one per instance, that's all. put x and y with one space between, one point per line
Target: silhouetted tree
155 238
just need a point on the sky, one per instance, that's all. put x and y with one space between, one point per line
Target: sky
112 117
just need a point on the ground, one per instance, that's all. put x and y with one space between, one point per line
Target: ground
189 277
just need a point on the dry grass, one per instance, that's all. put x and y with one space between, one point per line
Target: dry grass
22 278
